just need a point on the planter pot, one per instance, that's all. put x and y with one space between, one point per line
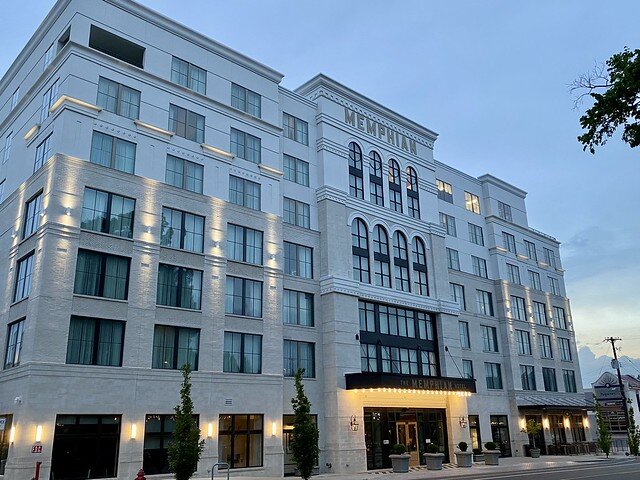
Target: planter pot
434 460
400 463
492 457
464 459
478 457
535 452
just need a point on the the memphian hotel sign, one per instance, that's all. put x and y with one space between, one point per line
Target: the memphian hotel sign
381 132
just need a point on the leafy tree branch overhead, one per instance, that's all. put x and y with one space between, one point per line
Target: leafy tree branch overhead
615 90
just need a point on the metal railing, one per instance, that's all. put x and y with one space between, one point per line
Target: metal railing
219 464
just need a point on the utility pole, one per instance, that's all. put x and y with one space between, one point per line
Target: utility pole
613 341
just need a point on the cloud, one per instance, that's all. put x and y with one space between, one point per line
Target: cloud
593 366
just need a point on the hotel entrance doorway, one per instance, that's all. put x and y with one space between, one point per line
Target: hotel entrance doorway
407 435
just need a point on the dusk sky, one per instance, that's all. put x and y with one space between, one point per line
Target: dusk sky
492 79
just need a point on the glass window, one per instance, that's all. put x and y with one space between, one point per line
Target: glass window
244 244
43 152
297 308
555 286
182 230
518 309
119 99
528 377
467 369
420 282
14 344
295 129
485 302
540 313
457 295
368 358
242 353
360 251
489 339
246 146
32 216
356 186
246 100
296 170
479 266
549 257
531 250
186 124
184 174
102 275
569 377
244 192
544 344
534 280
465 339
449 224
549 377
381 258
113 152
413 195
240 440
565 349
401 262
158 433
179 287
117 47
560 318
49 97
7 148
95 341
376 191
299 355
513 273
504 211
174 347
445 191
188 75
509 242
395 192
523 339
15 97
298 260
475 234
472 202
107 213
453 259
493 376
296 213
243 297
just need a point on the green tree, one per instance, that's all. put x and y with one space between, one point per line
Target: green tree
186 447
604 434
633 433
615 90
532 428
304 438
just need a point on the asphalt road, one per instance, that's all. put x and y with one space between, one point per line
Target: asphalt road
627 469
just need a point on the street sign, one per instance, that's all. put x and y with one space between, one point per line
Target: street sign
36 449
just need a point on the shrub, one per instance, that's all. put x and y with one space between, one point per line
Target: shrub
399 449
477 451
490 446
463 446
432 448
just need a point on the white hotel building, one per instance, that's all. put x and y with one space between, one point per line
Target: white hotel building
164 200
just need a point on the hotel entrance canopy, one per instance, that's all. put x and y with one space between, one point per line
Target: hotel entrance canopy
395 382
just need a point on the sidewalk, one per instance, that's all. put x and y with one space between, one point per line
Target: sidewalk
513 464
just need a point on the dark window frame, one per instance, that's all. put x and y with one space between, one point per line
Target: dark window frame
181 272
106 228
96 340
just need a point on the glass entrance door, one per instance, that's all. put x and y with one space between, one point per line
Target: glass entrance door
407 434
500 434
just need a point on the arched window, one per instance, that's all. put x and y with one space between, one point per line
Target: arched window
395 191
356 188
376 194
401 262
413 197
360 251
420 283
381 259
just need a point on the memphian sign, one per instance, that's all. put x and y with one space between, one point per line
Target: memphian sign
380 131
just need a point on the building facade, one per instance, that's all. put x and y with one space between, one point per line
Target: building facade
164 200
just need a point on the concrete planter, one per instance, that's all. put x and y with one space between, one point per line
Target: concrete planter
400 463
434 460
492 457
464 459
535 452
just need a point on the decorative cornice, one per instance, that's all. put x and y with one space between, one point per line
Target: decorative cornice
66 99
332 147
218 153
270 171
332 194
115 129
153 129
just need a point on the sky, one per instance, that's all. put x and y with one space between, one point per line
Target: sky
492 79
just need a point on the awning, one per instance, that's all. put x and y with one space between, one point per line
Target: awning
394 382
556 402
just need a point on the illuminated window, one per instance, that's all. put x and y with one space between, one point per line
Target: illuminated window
445 191
472 202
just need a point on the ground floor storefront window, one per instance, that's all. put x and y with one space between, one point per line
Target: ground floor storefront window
85 446
474 430
240 440
500 434
5 429
287 430
414 428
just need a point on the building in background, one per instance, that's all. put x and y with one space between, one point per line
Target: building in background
164 200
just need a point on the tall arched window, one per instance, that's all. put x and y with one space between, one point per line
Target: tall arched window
413 197
356 188
360 251
420 283
381 259
395 190
401 262
376 194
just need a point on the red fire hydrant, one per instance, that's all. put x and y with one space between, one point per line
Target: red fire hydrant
140 475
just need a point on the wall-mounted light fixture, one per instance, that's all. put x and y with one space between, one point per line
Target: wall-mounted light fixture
272 256
43 212
38 433
353 423
210 430
545 423
585 422
463 422
274 429
12 434
134 431
148 229
67 211
216 244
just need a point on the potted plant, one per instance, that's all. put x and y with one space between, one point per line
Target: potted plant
532 428
400 459
433 457
478 456
464 458
491 455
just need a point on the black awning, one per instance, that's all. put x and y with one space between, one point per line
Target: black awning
409 382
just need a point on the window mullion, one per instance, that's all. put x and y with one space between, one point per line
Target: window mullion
183 229
101 278
96 342
178 296
176 343
112 160
242 353
108 215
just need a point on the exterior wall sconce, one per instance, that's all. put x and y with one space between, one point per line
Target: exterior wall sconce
272 256
216 244
545 423
585 422
134 431
353 423
43 212
148 229
210 430
67 211
463 422
274 429
12 435
38 433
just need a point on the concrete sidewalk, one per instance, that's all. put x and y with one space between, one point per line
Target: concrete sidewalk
513 464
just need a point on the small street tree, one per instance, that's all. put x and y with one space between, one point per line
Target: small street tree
304 438
633 433
604 434
186 447
532 428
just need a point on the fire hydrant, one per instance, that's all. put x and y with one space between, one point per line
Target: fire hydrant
140 475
